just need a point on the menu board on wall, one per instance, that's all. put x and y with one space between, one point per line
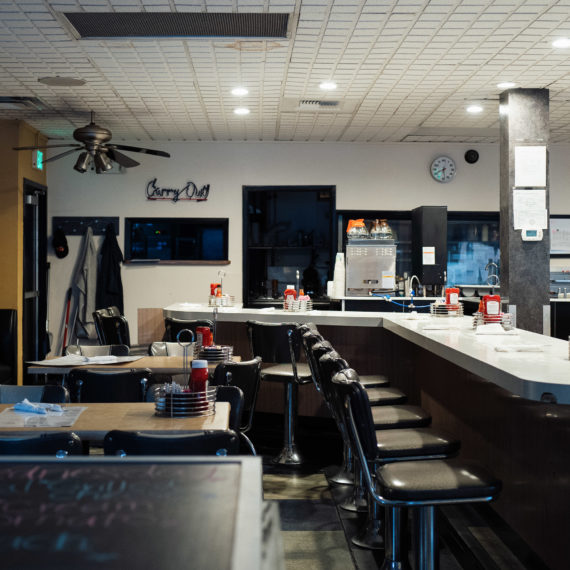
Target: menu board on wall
560 236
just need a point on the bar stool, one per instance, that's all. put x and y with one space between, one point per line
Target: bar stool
402 483
278 344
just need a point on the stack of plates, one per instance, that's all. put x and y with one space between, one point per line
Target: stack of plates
216 353
445 310
505 319
186 404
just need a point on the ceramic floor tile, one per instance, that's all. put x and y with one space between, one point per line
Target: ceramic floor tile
326 550
295 486
309 515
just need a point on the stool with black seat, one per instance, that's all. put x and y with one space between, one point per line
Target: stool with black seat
89 385
173 326
388 411
207 442
247 376
399 483
393 445
90 350
60 444
278 345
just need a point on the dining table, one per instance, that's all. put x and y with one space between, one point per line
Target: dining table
96 419
158 364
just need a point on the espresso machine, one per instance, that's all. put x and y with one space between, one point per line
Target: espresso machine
370 267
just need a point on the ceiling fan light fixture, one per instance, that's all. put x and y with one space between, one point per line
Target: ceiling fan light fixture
102 162
83 161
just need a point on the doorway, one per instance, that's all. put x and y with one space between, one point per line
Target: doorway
35 273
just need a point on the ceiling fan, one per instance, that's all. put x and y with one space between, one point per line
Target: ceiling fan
96 148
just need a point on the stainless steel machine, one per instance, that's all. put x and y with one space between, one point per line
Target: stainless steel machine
370 266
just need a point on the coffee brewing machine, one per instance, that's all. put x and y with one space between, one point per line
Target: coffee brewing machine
370 261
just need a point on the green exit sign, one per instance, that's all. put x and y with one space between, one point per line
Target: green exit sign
38 159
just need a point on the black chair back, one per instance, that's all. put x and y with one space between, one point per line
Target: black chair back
271 341
59 444
88 385
48 394
234 396
125 443
361 425
330 363
8 355
317 350
97 350
173 326
115 330
97 316
247 376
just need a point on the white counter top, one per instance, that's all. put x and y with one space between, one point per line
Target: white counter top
526 374
239 315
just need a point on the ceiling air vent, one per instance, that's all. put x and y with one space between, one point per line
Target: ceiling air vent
19 103
316 105
93 25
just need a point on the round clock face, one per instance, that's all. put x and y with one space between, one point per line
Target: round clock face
443 169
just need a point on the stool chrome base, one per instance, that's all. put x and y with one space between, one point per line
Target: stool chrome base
289 456
371 536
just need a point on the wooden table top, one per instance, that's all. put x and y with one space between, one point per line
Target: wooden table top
98 419
158 364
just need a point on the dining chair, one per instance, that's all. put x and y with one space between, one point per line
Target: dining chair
173 326
114 329
89 385
59 444
207 442
97 350
97 319
278 345
49 394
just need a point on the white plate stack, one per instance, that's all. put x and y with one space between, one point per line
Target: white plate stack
216 353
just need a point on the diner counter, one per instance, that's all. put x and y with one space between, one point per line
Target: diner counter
543 373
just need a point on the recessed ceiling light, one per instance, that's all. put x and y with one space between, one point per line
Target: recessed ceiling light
239 91
474 109
58 81
561 43
506 85
241 111
328 85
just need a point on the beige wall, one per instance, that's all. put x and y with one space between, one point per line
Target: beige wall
14 167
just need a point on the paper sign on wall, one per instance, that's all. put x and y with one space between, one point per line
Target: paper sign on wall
530 166
529 209
428 255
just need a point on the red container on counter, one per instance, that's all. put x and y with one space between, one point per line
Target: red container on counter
492 305
204 336
199 376
290 292
452 296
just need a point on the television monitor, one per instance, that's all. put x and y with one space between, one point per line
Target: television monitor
176 239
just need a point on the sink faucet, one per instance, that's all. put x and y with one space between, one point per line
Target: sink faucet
411 282
492 270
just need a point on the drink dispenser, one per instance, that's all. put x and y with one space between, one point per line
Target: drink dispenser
370 261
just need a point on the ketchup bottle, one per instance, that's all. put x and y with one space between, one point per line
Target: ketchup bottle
199 376
290 291
492 304
452 296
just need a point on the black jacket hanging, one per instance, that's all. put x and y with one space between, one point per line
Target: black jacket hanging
109 284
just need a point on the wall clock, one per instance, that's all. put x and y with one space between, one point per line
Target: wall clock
443 169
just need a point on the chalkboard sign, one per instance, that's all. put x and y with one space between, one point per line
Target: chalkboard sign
118 515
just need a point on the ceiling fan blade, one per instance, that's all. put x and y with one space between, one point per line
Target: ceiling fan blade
45 146
61 154
121 158
138 149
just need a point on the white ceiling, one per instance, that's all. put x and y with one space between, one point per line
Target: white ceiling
405 70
